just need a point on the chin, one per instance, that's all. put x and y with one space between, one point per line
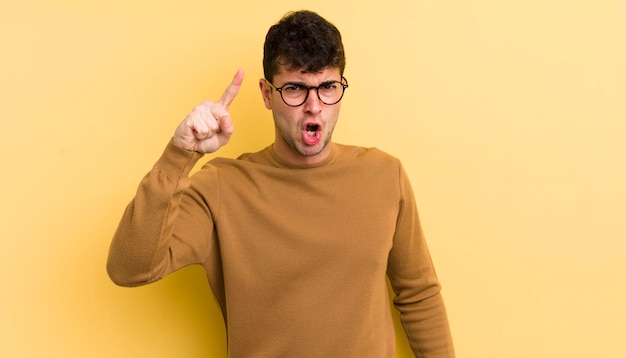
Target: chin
312 151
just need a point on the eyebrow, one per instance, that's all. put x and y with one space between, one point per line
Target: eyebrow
300 83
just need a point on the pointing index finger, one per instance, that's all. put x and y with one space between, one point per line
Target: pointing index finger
232 90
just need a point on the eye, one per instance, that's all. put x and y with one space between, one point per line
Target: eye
331 86
293 88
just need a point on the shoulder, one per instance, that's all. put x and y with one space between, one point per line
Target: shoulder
370 155
220 168
244 159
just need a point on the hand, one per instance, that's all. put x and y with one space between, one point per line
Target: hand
208 127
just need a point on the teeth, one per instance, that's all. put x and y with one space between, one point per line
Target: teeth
311 133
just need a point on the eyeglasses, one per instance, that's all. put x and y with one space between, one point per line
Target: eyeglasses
295 94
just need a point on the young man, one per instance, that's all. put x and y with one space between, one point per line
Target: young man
296 239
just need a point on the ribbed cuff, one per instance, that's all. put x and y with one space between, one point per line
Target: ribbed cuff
177 162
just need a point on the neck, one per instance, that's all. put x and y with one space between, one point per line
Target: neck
292 157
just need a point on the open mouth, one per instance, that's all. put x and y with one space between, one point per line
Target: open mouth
312 134
311 129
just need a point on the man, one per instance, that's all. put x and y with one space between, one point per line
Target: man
296 239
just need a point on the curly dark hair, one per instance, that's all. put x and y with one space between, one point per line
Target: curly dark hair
302 40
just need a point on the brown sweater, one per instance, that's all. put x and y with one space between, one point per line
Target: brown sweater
296 257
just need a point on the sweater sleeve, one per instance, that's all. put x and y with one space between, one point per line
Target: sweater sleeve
414 281
165 226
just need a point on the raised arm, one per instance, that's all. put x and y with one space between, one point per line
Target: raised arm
166 225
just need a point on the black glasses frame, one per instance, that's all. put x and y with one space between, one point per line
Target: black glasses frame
309 88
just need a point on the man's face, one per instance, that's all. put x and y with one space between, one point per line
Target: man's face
302 133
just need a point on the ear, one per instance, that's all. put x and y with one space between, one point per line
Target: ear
266 92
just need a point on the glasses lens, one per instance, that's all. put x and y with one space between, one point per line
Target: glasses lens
294 94
330 93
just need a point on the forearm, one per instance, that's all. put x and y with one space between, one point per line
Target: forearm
139 252
427 328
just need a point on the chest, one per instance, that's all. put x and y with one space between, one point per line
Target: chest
302 223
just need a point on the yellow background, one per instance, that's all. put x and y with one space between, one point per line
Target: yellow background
508 115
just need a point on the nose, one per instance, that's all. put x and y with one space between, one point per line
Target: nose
313 102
